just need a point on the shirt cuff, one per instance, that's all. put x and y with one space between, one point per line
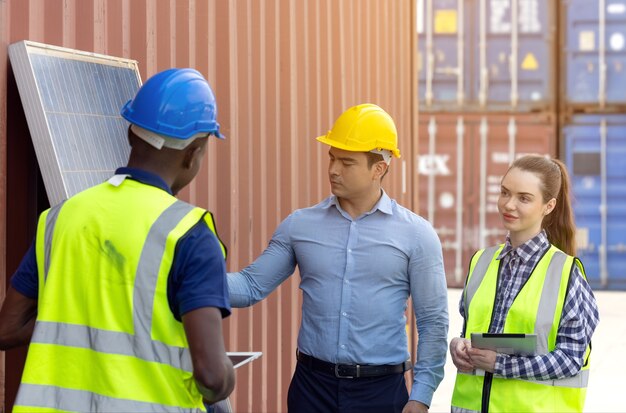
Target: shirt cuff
499 368
422 393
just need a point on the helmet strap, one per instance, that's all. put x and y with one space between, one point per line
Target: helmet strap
386 154
159 141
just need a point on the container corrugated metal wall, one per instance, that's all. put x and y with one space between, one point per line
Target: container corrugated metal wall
595 153
494 55
443 56
515 67
595 54
282 71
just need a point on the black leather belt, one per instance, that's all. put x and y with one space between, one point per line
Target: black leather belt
351 371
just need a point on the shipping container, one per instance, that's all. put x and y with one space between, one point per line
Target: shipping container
594 54
595 154
495 55
443 61
460 162
514 65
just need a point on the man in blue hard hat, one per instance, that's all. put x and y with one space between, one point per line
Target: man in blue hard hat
122 294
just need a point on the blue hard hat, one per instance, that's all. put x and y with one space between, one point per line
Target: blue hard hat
178 103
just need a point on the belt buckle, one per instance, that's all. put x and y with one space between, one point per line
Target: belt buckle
341 376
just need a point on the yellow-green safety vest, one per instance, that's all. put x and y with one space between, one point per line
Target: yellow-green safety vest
105 338
536 309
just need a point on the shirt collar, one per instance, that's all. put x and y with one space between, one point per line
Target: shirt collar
526 250
384 204
144 177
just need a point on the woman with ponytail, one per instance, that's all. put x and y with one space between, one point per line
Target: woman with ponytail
531 284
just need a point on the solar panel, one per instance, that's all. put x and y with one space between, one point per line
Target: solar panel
72 101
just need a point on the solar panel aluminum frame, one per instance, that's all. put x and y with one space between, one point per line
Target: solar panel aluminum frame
98 153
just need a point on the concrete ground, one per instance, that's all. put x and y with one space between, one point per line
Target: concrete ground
607 383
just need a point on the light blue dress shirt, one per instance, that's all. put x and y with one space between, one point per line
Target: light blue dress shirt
356 276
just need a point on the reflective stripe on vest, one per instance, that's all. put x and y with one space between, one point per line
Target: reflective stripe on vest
51 220
549 300
577 381
84 401
455 409
478 274
138 345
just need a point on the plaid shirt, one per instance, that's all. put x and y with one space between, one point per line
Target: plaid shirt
578 321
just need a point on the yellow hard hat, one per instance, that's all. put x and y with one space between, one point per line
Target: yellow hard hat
363 128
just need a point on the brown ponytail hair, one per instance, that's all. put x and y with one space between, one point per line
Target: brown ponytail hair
555 183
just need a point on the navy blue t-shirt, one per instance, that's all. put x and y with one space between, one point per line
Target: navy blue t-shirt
198 275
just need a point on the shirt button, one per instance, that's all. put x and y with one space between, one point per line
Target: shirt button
349 250
347 282
344 314
343 346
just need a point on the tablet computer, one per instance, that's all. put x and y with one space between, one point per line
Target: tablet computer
239 358
506 343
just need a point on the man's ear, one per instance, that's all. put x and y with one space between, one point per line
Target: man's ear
380 169
191 155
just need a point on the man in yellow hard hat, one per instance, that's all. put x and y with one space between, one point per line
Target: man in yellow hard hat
122 295
360 257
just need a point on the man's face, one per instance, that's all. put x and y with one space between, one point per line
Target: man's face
349 174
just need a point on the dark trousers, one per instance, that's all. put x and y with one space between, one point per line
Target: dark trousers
312 391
